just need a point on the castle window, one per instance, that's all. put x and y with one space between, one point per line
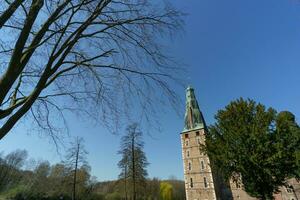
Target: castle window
289 189
188 153
192 184
186 135
197 133
237 185
205 182
190 166
202 165
186 143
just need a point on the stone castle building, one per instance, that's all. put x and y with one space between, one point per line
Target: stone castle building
201 183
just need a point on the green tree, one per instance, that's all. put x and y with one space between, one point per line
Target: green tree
134 162
255 145
178 192
99 56
166 191
287 138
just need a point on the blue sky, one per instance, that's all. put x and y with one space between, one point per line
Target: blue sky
232 49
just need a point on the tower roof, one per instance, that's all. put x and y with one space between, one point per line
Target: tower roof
193 117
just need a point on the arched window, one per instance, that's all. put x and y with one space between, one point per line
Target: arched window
190 166
192 184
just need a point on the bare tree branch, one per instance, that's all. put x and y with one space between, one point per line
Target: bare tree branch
102 58
9 11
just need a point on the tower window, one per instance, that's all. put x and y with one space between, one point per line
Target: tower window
289 189
190 166
192 184
186 143
186 135
188 153
205 182
197 133
202 165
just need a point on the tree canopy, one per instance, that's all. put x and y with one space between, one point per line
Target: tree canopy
46 181
255 144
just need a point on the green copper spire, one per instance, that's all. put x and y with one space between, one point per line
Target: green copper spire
193 117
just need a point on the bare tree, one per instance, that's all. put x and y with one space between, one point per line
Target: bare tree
97 57
76 157
9 166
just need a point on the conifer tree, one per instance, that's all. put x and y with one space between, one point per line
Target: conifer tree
134 162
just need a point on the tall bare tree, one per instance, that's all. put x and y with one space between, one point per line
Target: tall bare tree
76 158
98 57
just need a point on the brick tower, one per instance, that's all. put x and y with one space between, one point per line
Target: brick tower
199 184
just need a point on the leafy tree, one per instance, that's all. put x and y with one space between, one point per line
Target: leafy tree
134 162
287 139
166 191
255 145
94 57
178 188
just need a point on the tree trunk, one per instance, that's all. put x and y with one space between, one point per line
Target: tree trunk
125 179
133 166
75 173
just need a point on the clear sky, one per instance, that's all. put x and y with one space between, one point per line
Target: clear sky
232 49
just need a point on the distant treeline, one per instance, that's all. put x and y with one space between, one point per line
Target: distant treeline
42 181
